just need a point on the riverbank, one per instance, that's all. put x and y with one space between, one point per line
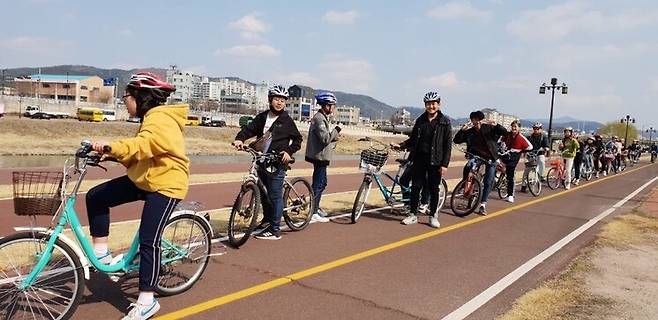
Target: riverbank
62 137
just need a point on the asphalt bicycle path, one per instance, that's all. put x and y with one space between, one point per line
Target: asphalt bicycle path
211 195
379 269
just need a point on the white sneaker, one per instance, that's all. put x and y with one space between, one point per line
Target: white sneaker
576 182
412 219
434 222
322 213
605 173
318 218
510 199
141 312
567 187
483 209
106 258
423 208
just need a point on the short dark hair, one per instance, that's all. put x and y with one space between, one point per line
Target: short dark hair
147 99
477 115
517 122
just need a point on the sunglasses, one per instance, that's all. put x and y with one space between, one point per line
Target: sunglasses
126 95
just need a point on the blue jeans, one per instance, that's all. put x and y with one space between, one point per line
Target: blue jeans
319 183
489 173
273 203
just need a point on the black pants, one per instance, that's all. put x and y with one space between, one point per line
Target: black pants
596 158
510 169
157 208
424 176
577 161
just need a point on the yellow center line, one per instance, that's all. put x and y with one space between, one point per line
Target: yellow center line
216 302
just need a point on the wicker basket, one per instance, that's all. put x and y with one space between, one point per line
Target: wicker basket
531 161
37 193
374 158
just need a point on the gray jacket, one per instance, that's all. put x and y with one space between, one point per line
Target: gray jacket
321 140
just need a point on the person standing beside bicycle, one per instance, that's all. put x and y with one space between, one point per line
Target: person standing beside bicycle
516 143
569 147
578 159
277 133
480 139
539 142
430 148
158 174
320 146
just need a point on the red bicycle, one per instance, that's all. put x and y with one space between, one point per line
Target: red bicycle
556 175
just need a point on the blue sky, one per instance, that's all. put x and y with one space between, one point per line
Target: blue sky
475 53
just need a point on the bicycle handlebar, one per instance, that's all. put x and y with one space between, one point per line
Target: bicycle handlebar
258 155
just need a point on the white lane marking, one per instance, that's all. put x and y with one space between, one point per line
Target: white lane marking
484 297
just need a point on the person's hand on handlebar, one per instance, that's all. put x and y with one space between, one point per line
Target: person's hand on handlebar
238 144
99 147
395 146
285 157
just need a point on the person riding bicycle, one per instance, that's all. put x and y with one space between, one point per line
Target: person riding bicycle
320 146
430 146
539 143
480 139
635 150
569 147
597 156
578 159
276 133
653 149
515 143
157 173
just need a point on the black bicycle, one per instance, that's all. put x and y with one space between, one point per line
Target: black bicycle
297 197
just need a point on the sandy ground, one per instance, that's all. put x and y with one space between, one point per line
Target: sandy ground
615 278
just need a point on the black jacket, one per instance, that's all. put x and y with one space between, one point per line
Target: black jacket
539 142
491 135
285 136
441 144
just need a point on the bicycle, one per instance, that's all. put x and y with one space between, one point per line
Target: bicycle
587 166
531 178
372 160
297 195
43 271
467 194
556 175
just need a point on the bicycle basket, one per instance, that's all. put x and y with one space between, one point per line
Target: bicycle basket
556 163
37 193
373 158
531 160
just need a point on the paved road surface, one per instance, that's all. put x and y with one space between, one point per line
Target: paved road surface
341 271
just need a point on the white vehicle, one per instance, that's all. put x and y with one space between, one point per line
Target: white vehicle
34 109
206 120
109 115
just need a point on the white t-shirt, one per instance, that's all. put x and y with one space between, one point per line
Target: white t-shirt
269 120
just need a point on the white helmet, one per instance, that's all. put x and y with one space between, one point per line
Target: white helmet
432 96
278 91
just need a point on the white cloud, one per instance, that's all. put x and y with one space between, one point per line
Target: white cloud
251 28
557 22
351 75
302 78
443 81
459 10
250 51
340 17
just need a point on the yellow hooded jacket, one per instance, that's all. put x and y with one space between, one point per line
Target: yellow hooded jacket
155 159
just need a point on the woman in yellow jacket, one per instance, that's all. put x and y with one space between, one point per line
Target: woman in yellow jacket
157 173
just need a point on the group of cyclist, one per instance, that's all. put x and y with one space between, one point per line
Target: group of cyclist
158 168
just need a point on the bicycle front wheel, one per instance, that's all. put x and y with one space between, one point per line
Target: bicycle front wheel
501 185
443 194
553 178
298 202
361 199
466 197
534 182
54 293
185 253
244 214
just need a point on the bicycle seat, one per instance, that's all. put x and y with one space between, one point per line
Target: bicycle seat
402 161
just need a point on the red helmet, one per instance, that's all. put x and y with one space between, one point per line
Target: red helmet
147 80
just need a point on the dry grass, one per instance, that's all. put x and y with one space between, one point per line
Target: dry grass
61 137
567 296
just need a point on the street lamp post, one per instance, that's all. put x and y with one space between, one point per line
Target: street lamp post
3 82
627 120
542 90
650 131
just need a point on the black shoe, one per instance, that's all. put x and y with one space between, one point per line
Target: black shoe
269 235
524 189
262 227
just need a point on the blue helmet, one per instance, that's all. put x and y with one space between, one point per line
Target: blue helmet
432 96
325 98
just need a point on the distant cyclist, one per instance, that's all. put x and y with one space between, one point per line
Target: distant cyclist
515 144
480 138
578 159
539 143
597 156
569 147
277 133
158 172
430 145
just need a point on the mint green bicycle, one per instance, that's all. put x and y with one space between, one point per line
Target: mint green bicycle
43 271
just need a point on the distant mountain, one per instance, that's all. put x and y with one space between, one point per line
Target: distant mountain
370 107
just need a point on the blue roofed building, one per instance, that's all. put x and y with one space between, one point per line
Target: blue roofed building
66 87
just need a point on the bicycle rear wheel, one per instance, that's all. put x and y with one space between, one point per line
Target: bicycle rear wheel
361 199
185 253
465 199
501 185
443 194
57 289
298 203
244 214
553 178
534 182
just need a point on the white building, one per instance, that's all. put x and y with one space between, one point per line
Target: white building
301 108
187 85
503 119
347 115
